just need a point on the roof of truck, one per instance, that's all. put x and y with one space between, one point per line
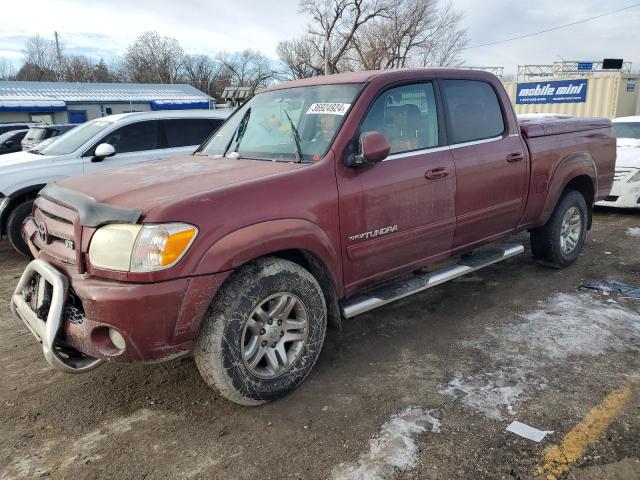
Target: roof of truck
395 74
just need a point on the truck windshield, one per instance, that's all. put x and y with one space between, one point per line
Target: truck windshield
74 139
293 124
627 130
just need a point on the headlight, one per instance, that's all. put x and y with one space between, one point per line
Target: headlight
140 248
635 178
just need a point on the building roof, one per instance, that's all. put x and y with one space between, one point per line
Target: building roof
97 92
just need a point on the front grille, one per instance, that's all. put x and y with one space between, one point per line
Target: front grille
56 230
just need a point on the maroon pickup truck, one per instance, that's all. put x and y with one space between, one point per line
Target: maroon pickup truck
316 201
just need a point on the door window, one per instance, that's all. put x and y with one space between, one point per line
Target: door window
472 109
407 116
135 137
189 131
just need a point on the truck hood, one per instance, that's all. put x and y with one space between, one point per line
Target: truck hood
151 184
628 155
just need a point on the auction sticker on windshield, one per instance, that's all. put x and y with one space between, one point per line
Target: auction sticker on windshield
329 108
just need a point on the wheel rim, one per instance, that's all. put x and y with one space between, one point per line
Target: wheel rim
570 230
274 335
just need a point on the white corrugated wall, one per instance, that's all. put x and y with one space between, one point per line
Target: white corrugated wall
606 97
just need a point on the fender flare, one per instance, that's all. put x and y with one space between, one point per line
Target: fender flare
264 238
572 166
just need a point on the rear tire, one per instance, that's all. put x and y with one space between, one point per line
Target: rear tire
559 242
14 227
263 333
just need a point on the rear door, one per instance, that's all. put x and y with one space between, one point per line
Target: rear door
491 165
184 135
400 212
133 143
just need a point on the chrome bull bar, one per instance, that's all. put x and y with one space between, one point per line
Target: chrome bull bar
47 331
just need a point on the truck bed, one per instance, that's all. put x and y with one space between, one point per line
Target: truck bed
556 144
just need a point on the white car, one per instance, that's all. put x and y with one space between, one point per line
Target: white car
96 145
626 182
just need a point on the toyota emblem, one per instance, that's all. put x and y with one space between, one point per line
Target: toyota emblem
42 233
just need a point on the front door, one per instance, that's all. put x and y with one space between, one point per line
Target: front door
399 213
491 163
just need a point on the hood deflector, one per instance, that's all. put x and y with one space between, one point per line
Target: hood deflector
92 213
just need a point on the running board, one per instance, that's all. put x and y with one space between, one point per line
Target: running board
408 286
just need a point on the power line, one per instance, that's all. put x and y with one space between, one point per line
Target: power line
553 28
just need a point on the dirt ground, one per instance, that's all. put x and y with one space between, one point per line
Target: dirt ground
420 389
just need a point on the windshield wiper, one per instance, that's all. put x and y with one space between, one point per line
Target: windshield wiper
296 138
238 132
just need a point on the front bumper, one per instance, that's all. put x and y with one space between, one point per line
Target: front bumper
156 321
624 194
47 331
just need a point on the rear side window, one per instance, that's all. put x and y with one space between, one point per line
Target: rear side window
135 137
407 116
473 110
189 131
36 134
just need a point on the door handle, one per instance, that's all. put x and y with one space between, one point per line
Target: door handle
436 173
515 157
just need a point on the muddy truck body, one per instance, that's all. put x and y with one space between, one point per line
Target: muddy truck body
316 201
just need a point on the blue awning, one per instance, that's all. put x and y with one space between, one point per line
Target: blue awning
179 104
32 106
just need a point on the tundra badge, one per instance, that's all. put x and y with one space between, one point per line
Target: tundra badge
374 233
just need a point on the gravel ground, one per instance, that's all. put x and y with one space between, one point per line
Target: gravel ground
420 389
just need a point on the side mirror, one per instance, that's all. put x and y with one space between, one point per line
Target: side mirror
103 151
9 143
374 147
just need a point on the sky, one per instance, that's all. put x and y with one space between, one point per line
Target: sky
104 28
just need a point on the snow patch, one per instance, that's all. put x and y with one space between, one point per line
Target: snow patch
393 449
564 326
633 231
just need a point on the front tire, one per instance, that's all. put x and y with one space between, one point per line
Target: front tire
263 333
559 242
14 227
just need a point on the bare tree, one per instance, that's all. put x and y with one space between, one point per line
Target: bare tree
205 73
101 73
40 60
411 33
301 57
447 41
334 24
77 68
248 68
152 58
7 70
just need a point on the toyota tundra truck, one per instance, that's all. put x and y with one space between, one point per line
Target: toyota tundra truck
316 201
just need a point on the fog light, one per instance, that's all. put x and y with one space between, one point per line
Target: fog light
117 339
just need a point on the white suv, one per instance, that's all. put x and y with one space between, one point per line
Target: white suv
95 145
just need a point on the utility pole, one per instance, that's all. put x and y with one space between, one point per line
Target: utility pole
59 55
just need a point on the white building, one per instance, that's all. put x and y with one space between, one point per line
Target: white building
61 102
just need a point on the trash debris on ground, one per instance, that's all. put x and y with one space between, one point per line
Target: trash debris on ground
614 286
633 231
528 432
